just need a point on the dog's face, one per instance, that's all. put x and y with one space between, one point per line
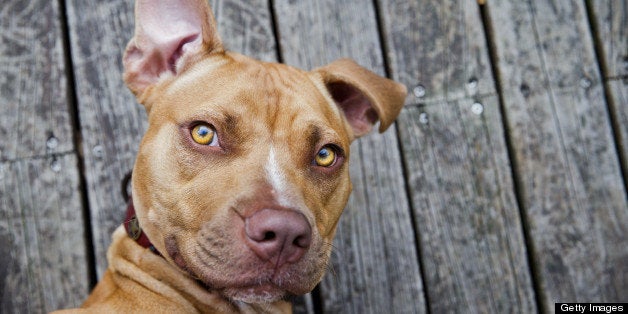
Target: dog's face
268 125
243 172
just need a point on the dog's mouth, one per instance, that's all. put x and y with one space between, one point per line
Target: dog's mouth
249 282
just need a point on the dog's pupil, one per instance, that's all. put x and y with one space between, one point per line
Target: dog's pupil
203 131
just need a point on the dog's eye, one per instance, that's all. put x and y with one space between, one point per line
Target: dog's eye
204 134
326 156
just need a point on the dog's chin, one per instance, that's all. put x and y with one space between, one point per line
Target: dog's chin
260 294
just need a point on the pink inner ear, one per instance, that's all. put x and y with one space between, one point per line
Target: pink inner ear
355 105
168 30
187 44
165 32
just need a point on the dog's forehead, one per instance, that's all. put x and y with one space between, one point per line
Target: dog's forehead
248 89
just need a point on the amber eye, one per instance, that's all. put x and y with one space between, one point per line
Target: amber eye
326 156
203 134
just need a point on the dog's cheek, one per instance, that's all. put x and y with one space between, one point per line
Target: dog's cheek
328 205
156 174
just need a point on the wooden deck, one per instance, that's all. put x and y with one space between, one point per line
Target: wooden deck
501 189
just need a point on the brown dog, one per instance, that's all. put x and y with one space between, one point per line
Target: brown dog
242 175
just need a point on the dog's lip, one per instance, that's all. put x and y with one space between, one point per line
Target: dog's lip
173 251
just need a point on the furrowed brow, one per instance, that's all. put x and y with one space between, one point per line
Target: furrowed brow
314 135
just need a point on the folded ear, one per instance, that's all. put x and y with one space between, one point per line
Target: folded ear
169 34
363 96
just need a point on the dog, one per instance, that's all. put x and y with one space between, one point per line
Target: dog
242 174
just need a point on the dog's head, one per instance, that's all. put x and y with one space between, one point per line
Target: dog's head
243 173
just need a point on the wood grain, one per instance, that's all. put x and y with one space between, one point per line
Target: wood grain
43 264
472 242
611 23
33 102
570 182
437 45
618 90
374 264
472 245
246 27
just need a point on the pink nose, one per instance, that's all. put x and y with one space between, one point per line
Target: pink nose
278 236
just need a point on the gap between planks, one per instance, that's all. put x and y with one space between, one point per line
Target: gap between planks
78 144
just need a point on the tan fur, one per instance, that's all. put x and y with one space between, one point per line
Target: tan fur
132 269
192 200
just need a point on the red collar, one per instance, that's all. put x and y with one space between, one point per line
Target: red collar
132 227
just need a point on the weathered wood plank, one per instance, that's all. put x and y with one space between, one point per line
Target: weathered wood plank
43 264
436 48
112 122
33 102
618 90
374 262
567 166
471 238
611 23
610 19
246 27
474 257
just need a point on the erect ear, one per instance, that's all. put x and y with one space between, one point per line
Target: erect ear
363 96
169 35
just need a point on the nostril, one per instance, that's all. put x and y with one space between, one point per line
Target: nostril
269 236
301 241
